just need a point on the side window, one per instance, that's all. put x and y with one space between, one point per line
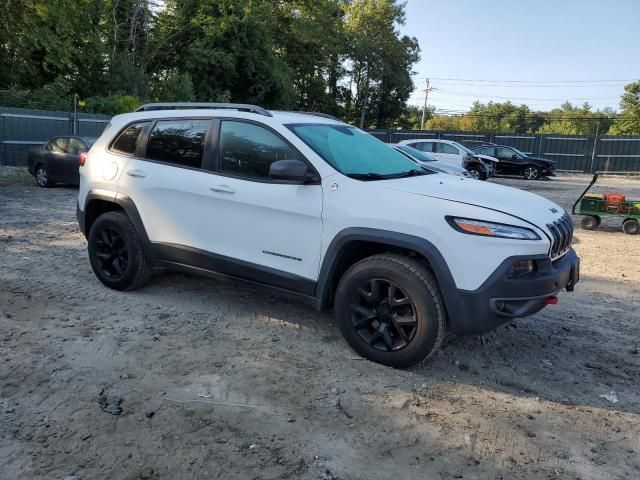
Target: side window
58 145
128 139
505 153
248 150
446 148
75 145
423 146
487 151
180 142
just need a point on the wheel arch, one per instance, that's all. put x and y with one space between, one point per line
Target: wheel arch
353 244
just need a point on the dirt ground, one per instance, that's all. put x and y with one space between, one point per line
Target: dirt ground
218 380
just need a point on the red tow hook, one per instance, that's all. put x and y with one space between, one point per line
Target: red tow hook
552 300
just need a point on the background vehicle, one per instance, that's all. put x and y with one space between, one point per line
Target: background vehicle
596 206
57 161
426 160
514 162
478 165
308 206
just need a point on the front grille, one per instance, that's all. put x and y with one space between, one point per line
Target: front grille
562 235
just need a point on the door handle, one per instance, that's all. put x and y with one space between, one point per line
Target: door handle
136 173
222 189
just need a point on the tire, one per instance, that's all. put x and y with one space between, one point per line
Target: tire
363 296
531 172
476 173
631 226
590 222
116 254
43 176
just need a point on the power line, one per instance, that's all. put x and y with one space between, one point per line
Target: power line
536 81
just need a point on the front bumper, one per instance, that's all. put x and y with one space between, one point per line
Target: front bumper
501 298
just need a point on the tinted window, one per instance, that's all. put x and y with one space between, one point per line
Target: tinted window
127 140
249 150
505 153
446 148
59 145
180 142
75 145
487 151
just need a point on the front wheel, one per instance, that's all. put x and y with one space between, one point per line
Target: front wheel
476 173
115 252
389 309
530 172
631 227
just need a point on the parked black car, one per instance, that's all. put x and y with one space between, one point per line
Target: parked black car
57 161
514 162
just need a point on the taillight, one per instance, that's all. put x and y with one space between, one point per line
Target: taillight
83 158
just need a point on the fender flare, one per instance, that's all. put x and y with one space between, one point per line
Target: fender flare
448 289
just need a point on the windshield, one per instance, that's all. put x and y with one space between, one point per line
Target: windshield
354 152
464 149
415 153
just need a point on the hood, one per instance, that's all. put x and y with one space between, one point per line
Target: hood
446 168
486 158
527 206
540 159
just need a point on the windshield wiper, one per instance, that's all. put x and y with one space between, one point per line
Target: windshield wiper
365 176
411 173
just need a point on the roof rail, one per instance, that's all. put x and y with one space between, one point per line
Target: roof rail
242 107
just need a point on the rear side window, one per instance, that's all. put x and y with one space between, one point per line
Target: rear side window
248 150
59 145
179 142
446 148
128 139
75 145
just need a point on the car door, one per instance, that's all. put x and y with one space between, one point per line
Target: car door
423 146
273 226
166 182
58 149
448 153
509 161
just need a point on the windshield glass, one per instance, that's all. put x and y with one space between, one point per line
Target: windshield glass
354 152
417 154
463 148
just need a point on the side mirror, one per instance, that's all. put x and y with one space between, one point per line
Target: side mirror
294 171
514 157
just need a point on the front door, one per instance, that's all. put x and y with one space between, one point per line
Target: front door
273 226
509 161
59 148
449 154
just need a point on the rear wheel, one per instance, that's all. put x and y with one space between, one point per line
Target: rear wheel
590 222
115 252
389 310
631 226
531 172
43 176
477 173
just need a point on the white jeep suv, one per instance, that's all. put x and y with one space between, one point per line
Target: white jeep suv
311 207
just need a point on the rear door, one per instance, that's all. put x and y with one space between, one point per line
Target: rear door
166 181
273 226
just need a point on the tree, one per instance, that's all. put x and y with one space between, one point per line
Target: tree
629 122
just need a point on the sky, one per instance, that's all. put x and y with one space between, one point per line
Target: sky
537 52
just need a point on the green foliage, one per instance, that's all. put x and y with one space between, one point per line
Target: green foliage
629 124
111 105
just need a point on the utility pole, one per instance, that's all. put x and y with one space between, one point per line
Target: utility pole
424 109
75 114
595 143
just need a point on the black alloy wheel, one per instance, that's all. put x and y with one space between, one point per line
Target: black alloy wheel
383 315
111 252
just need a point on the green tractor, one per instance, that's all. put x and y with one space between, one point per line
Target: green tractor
594 206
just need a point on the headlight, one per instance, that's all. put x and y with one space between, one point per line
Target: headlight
490 229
